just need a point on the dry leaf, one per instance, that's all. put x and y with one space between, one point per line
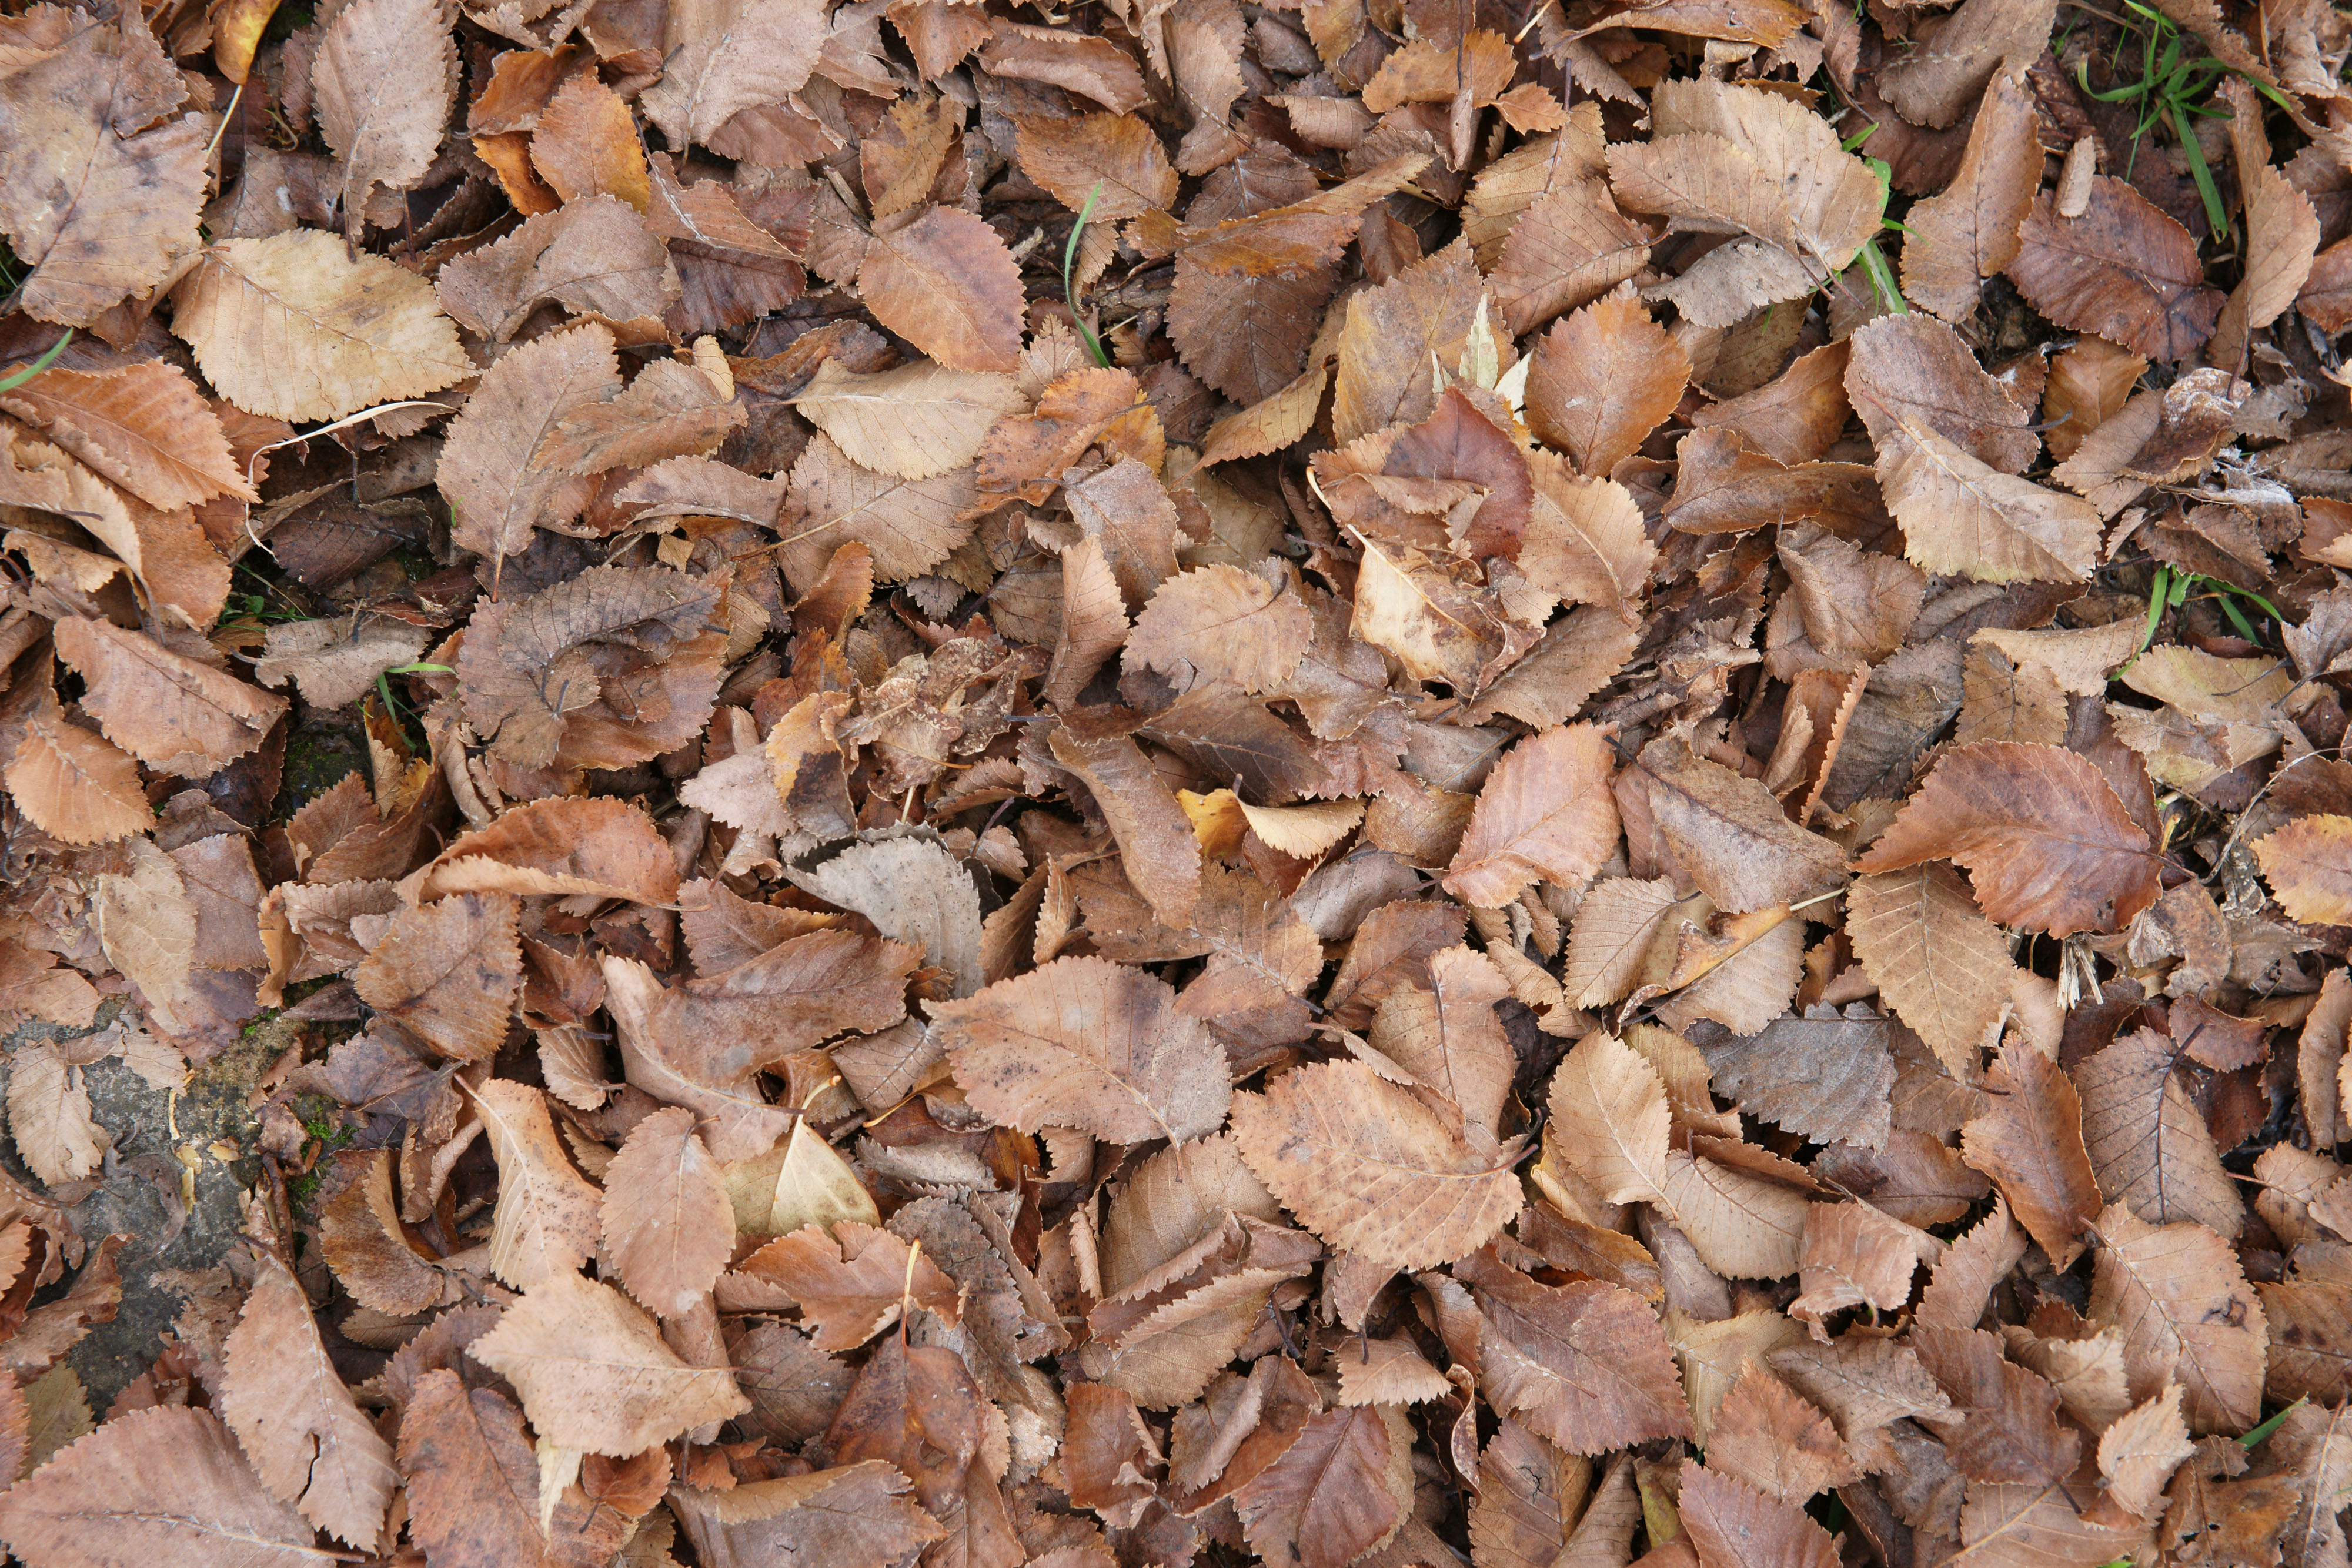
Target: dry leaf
294 328
1372 1169
297 1422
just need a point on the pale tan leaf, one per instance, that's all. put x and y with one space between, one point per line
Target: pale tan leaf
914 422
1939 962
381 81
2138 1454
48 1113
296 328
595 1374
1224 624
547 1219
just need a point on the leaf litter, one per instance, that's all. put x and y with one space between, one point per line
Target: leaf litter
1371 782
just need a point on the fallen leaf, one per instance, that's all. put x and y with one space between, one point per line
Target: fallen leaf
293 328
1372 1169
594 1374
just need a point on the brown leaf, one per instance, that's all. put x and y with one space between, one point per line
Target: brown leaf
1277 270
730 270
2029 1141
564 675
585 144
163 1484
75 786
851 1284
667 1225
1157 848
283 1398
1545 814
2186 1314
1530 1495
1586 541
448 973
103 179
2012 1434
1968 230
719 58
473 1481
2124 270
546 1221
2089 384
669 410
2148 1144
1962 516
909 526
172 713
604 848
144 427
853 1516
595 257
2138 1454
1585 1364
360 1234
1604 378
381 81
1569 246
703 1044
1731 835
1085 1043
1828 1075
1450 1038
494 464
1393 333
1066 158
1732 1526
1766 1436
2049 842
1935 82
1370 1168
1222 624
945 282
595 1374
1341 1489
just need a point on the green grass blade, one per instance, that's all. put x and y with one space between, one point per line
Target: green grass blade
2215 213
1069 289
10 382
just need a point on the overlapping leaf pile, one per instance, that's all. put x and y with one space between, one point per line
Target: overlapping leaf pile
1190 782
